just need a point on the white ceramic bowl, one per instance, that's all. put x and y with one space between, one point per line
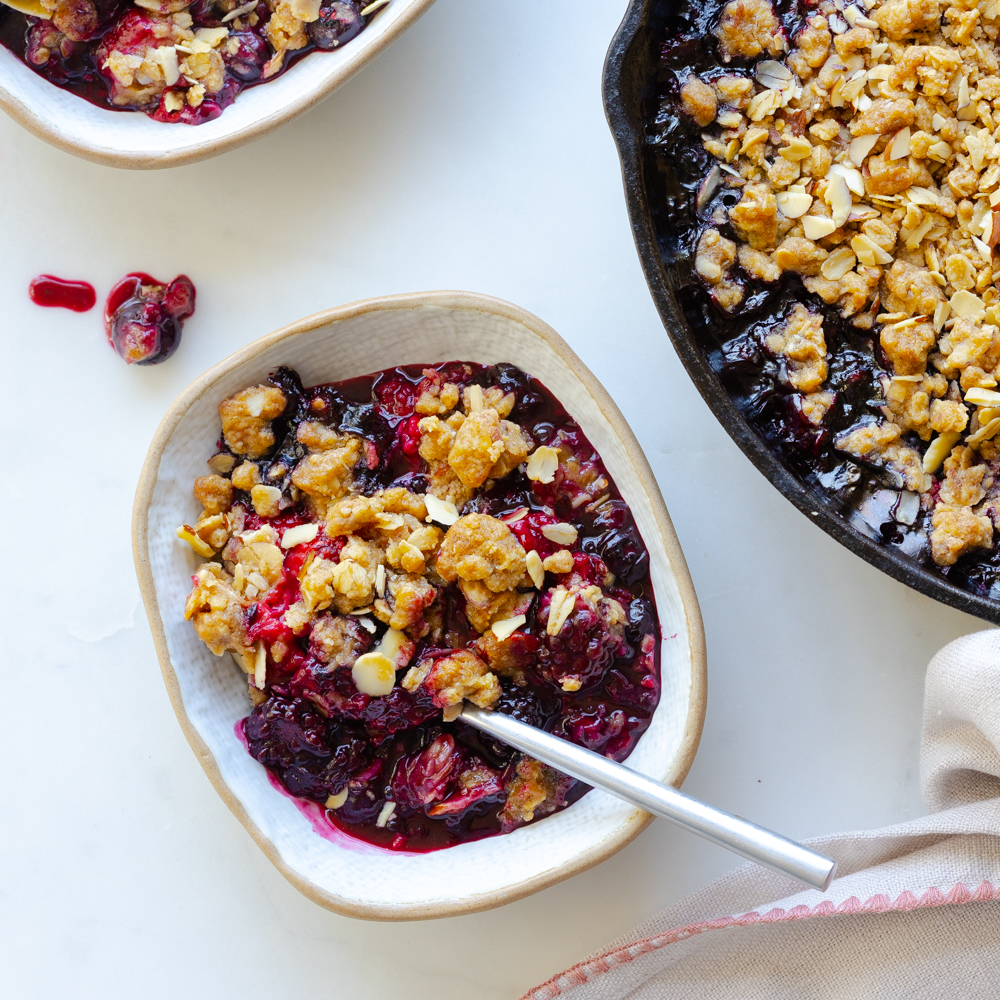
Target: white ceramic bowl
209 694
132 139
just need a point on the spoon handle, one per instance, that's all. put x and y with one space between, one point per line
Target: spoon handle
722 828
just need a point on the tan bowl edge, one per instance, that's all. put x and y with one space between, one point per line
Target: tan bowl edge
157 161
696 637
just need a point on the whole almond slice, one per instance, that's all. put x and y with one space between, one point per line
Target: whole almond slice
860 148
793 204
816 227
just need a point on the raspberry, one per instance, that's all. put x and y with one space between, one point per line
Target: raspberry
396 396
528 531
586 645
428 776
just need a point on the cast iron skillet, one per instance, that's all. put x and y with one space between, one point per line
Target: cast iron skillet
629 78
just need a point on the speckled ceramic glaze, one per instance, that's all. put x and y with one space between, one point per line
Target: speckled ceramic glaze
209 693
134 140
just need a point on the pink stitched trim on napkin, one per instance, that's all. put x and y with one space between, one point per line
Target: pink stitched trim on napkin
585 971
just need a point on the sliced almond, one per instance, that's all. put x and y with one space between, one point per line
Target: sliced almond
542 464
390 807
923 196
940 150
299 535
506 628
533 562
838 264
993 237
838 197
260 666
560 609
798 148
985 250
754 134
374 674
963 94
793 204
938 450
773 75
187 534
941 313
561 534
984 433
977 150
380 580
965 305
900 145
869 252
336 801
854 178
397 647
983 397
473 398
442 511
816 227
860 148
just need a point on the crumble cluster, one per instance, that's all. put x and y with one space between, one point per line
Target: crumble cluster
866 151
389 556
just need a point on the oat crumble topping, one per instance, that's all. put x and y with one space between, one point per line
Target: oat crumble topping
863 153
372 565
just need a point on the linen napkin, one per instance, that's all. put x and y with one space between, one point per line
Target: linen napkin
914 911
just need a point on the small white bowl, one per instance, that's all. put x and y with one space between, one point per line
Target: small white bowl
209 694
132 139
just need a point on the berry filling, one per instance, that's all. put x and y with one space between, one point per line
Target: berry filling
381 550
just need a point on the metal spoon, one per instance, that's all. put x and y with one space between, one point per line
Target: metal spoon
722 828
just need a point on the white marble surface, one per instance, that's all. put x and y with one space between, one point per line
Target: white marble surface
473 154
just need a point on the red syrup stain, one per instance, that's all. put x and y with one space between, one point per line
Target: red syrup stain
47 290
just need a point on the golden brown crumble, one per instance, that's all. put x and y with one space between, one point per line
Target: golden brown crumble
800 340
246 419
216 610
533 790
327 473
748 28
480 547
454 678
214 493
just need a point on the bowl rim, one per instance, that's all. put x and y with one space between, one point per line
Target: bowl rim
138 159
623 94
455 300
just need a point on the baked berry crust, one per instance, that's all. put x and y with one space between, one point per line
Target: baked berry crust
381 550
